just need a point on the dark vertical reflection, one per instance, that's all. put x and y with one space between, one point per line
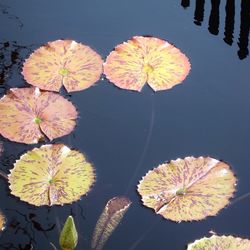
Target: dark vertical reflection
244 29
9 57
185 3
214 19
229 22
199 12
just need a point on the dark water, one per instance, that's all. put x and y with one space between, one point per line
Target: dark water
125 133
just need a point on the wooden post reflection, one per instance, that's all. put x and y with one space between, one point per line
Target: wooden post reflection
214 18
244 29
199 12
185 3
229 22
214 21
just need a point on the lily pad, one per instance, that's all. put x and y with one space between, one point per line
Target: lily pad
188 189
28 114
63 62
146 59
221 243
51 175
111 216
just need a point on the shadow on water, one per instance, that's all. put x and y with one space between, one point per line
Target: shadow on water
229 25
185 3
214 21
199 12
12 55
214 18
21 226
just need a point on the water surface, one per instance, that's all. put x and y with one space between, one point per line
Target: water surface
123 133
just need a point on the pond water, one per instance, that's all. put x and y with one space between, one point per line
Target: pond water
124 133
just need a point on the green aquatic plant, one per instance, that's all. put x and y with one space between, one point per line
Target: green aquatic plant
68 237
111 216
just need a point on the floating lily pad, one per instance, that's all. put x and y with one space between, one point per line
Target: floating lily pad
146 59
188 189
51 175
111 216
63 62
28 114
220 243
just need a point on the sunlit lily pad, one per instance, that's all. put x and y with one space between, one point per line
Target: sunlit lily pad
51 175
146 59
111 216
220 243
63 62
28 114
188 189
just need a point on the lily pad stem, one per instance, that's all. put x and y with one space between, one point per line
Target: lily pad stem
2 174
53 246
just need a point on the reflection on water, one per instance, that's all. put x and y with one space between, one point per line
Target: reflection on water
20 227
214 18
214 21
11 59
185 3
229 22
244 29
199 12
27 228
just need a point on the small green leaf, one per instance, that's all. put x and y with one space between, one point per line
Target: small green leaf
68 236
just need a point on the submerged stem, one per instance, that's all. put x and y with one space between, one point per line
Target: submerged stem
2 174
146 145
54 247
242 197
